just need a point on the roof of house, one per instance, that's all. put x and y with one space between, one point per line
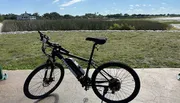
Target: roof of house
25 14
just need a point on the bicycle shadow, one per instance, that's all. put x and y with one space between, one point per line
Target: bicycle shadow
52 98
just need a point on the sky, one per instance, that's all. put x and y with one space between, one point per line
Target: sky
80 7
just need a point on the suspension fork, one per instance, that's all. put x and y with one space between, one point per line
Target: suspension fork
50 62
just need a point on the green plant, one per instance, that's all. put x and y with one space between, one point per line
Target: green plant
121 27
81 24
127 27
115 26
1 18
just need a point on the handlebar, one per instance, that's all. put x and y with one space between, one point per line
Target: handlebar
45 40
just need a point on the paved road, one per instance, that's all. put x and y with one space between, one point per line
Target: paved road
157 86
167 18
176 26
0 26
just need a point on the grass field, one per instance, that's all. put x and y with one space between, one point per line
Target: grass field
137 49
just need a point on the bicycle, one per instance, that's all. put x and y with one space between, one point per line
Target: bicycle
112 82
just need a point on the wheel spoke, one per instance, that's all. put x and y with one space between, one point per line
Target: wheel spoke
37 83
118 95
120 82
38 86
107 74
126 90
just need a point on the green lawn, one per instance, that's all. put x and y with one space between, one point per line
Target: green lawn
137 49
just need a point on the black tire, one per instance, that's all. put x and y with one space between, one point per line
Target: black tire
99 86
27 85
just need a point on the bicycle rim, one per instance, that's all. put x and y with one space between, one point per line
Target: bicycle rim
124 90
36 87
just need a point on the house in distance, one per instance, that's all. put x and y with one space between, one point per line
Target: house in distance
26 16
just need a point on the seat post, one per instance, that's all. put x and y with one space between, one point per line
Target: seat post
90 59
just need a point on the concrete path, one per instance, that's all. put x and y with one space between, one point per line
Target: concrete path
157 86
167 18
1 26
176 26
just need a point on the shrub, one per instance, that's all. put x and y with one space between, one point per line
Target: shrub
127 27
121 27
115 27
80 24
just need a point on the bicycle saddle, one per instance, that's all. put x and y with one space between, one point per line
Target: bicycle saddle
97 40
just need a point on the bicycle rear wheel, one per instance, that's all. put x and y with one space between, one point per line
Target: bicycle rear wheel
115 82
38 86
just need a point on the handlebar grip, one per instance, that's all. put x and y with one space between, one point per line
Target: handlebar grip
41 35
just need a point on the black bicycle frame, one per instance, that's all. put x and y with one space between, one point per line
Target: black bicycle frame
59 54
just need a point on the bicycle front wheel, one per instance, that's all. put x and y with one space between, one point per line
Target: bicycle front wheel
40 84
115 82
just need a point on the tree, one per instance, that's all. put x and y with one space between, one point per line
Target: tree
115 15
67 16
1 18
90 15
126 15
10 16
46 16
36 15
54 15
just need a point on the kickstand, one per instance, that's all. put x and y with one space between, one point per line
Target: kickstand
104 92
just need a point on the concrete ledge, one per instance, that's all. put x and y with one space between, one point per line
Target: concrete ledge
61 31
157 86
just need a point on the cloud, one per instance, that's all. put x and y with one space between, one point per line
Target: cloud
71 3
153 9
137 11
162 8
107 12
137 5
55 1
144 5
61 8
163 3
114 3
131 8
131 5
140 5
